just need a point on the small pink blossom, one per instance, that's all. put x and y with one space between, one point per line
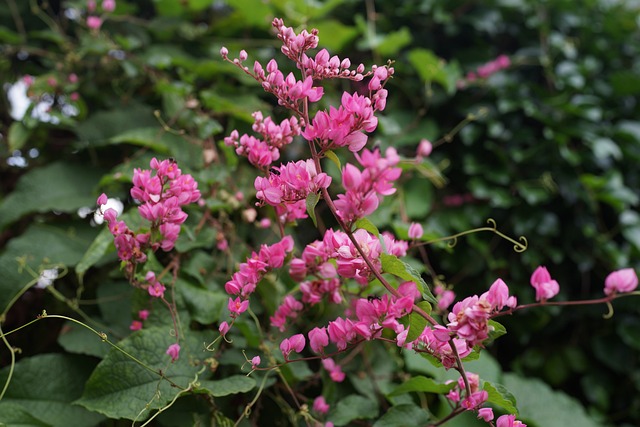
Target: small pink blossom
174 352
255 361
237 306
424 148
334 370
223 328
415 231
136 325
108 5
94 22
621 281
543 284
509 421
485 414
143 314
318 339
320 405
294 343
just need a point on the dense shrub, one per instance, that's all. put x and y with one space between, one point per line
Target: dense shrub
531 108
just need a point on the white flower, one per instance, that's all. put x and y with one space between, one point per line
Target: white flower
115 204
46 278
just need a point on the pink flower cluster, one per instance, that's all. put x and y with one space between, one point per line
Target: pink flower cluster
371 317
162 196
469 319
322 66
290 92
365 189
477 396
324 264
263 152
344 126
245 280
287 187
131 246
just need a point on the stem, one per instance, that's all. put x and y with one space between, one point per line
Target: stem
604 300
460 367
13 363
453 414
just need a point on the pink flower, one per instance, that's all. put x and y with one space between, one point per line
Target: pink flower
485 414
620 281
156 290
424 148
174 351
543 284
143 314
445 297
108 5
509 421
136 325
415 231
294 343
341 331
335 371
318 339
320 405
237 306
223 328
255 361
94 22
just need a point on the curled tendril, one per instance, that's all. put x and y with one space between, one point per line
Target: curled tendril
609 314
519 245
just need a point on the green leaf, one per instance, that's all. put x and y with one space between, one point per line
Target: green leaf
231 385
422 384
24 259
311 202
17 136
629 330
366 224
205 306
390 44
430 68
114 301
496 330
393 265
541 405
405 415
187 241
38 387
351 408
500 396
417 322
14 415
341 34
60 187
95 252
332 156
121 388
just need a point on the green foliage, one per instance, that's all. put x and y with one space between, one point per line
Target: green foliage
38 397
548 147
